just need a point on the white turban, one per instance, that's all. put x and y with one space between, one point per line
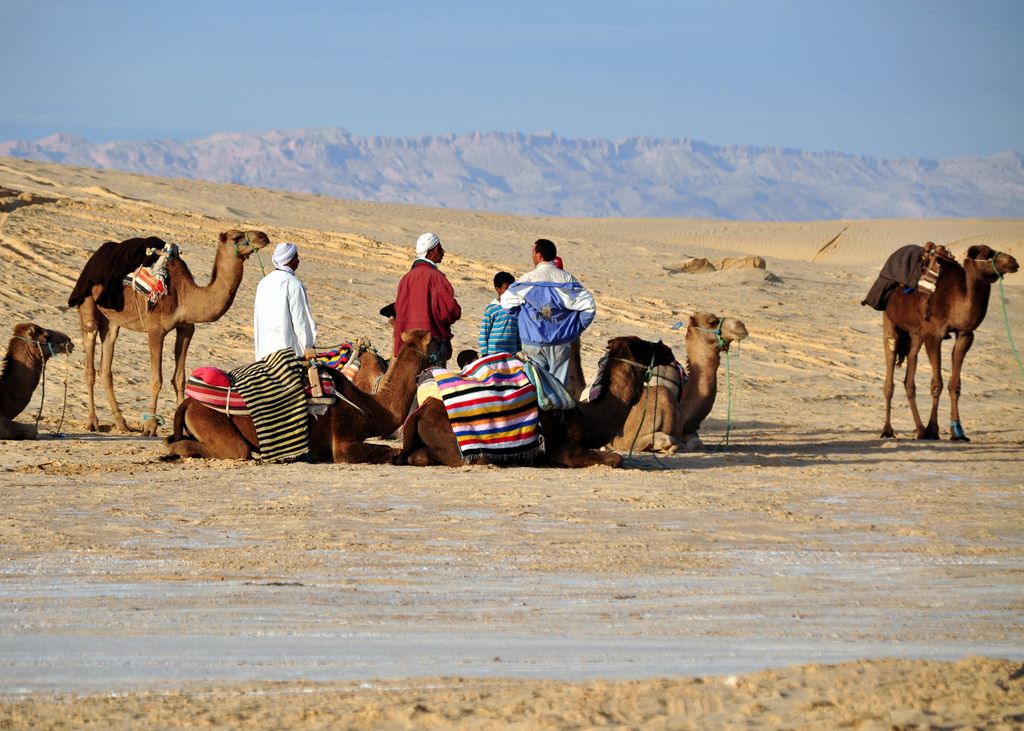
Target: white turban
283 254
425 243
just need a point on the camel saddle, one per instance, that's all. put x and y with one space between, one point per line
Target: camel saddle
214 388
153 282
912 268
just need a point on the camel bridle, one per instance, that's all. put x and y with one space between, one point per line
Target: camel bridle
648 369
43 357
719 340
39 344
252 250
433 359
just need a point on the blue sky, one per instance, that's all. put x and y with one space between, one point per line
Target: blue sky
887 78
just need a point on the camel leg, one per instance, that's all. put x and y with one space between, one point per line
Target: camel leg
690 442
89 340
182 339
215 435
156 376
107 373
664 442
933 347
889 347
428 439
572 455
10 429
88 316
361 453
910 387
960 347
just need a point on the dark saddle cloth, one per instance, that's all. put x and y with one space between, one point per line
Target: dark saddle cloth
109 265
902 269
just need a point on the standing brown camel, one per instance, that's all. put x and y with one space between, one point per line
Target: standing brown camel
572 437
664 420
957 306
185 304
30 347
339 435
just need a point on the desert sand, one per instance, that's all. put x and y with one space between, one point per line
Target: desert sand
806 574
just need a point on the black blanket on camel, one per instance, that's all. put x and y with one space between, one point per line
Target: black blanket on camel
902 268
109 265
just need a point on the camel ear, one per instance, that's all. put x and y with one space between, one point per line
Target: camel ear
32 331
223 237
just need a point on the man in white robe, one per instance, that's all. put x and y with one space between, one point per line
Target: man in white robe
282 318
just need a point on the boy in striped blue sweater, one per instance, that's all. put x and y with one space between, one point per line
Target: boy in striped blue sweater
499 329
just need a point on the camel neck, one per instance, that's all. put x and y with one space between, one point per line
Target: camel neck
19 376
605 416
398 386
698 396
973 305
206 304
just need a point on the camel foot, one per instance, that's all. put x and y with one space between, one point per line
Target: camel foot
887 433
611 459
957 432
169 457
92 424
149 429
928 435
122 427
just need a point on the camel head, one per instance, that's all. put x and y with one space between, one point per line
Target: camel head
644 352
433 349
994 264
716 332
244 242
47 342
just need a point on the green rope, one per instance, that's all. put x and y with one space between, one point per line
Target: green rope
728 400
1006 317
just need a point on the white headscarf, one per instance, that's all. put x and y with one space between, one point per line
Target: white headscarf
425 243
283 254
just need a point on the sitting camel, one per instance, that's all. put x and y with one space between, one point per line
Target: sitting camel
185 304
666 421
572 437
28 351
912 319
372 368
339 435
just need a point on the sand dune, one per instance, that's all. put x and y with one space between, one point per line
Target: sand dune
807 541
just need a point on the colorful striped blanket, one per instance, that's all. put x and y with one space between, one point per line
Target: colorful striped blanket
274 391
492 407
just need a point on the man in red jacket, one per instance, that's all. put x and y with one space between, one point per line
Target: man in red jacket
425 296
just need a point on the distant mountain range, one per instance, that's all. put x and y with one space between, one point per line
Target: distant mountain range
550 175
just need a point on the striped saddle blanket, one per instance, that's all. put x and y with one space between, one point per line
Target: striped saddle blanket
492 407
274 390
213 387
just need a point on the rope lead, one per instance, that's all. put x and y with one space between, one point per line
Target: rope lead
1006 317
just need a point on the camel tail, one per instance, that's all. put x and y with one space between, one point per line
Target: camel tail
902 346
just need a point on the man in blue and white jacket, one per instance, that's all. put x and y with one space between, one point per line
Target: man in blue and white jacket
554 309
